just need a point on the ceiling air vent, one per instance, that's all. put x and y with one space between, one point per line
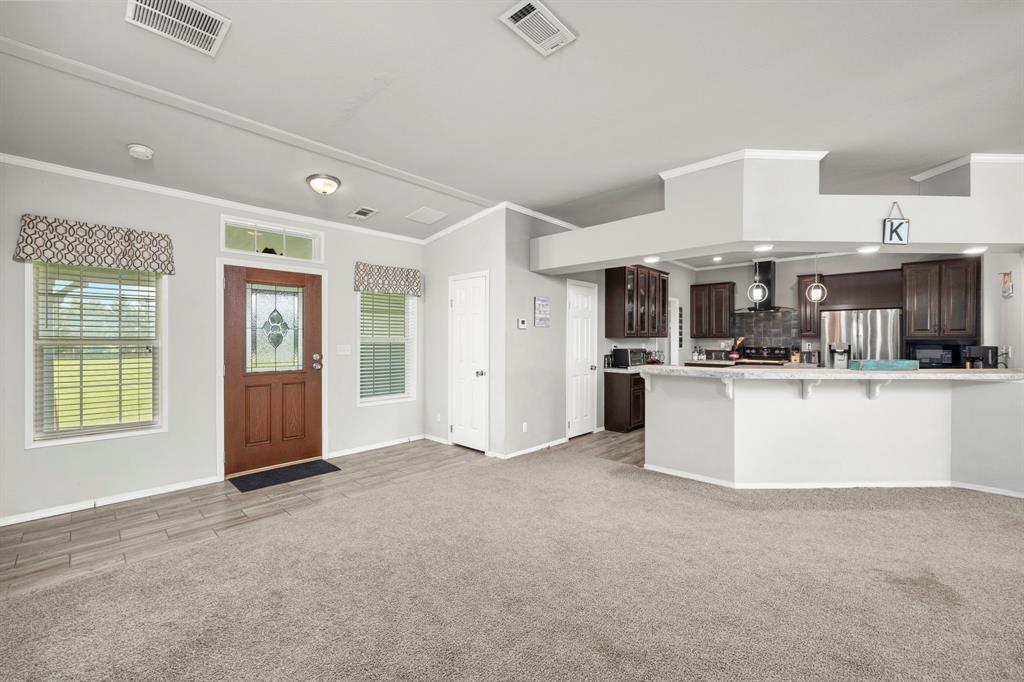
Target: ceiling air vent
183 21
538 26
426 215
362 213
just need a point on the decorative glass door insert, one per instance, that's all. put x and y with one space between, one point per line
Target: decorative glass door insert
273 342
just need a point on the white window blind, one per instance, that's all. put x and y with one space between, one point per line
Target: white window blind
96 346
387 352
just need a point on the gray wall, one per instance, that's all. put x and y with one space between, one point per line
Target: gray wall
535 356
480 246
41 478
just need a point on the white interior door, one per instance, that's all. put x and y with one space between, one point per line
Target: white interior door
672 357
581 358
468 361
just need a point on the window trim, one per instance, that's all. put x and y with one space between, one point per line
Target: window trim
318 240
30 442
411 385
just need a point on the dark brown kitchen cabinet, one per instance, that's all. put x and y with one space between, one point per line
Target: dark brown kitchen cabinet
636 302
940 299
623 401
958 298
810 313
711 310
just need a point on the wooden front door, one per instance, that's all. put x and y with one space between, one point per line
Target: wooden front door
272 364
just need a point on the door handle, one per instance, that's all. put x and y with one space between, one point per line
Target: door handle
593 367
317 365
480 372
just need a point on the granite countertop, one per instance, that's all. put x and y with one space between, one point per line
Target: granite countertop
625 370
794 372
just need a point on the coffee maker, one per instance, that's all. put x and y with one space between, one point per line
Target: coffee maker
980 356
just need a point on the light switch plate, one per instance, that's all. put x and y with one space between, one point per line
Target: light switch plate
343 349
521 323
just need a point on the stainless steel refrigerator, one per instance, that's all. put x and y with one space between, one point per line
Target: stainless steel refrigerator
869 334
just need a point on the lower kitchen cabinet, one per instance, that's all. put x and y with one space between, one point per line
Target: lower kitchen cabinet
623 401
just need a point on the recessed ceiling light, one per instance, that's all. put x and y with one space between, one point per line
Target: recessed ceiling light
140 151
324 184
975 250
764 247
869 249
717 259
652 259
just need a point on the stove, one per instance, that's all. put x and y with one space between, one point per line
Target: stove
764 355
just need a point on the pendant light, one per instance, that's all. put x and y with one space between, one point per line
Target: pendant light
757 292
816 292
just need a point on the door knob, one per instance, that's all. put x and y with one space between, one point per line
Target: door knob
317 365
480 372
316 356
593 367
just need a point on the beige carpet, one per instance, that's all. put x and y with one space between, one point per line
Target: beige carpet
559 566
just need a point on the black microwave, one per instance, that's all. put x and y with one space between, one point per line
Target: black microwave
937 355
628 357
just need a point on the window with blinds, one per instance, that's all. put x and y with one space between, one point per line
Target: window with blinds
97 354
387 352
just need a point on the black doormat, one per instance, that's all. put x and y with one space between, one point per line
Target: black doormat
296 472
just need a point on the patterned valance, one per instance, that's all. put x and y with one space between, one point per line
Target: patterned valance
387 279
71 242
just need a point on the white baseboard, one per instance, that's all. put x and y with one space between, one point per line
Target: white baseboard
987 489
103 501
442 441
542 446
375 446
685 474
810 485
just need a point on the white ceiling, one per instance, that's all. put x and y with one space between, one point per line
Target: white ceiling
444 91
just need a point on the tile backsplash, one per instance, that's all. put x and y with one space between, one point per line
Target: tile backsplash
768 328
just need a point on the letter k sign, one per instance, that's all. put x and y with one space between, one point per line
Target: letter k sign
895 231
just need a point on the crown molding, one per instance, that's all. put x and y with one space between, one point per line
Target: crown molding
743 155
540 216
964 160
34 164
112 80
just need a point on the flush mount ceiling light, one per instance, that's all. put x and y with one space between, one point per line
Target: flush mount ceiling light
717 259
975 250
757 292
324 184
652 259
869 249
816 292
760 248
140 151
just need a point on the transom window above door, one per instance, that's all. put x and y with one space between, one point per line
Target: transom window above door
271 241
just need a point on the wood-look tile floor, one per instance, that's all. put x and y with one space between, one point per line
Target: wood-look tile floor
51 550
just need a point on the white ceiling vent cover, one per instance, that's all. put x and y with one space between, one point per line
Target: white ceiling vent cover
183 21
426 215
362 213
538 26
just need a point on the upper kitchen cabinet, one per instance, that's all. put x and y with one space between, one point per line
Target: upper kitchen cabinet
711 310
810 313
636 302
940 298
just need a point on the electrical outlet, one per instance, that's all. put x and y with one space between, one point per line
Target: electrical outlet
438 418
1009 352
807 346
524 427
721 345
521 323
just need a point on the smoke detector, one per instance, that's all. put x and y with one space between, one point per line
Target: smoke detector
362 213
183 21
426 215
140 151
538 26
